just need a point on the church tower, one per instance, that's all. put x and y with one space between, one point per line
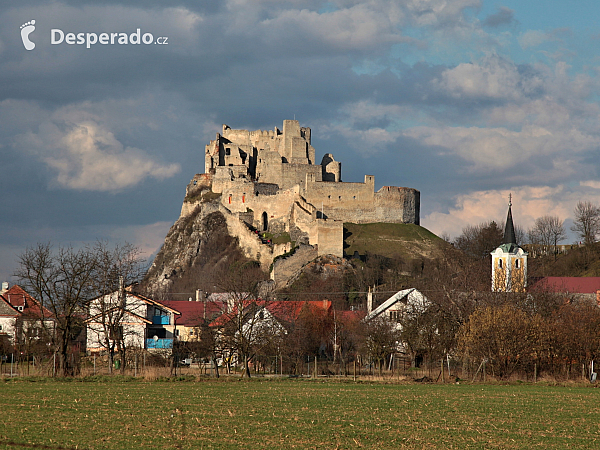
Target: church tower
509 261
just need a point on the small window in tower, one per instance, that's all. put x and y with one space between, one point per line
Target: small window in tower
500 263
517 263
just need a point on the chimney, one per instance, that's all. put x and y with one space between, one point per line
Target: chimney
201 297
369 301
4 287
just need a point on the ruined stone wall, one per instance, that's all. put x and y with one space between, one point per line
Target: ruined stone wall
340 196
295 174
242 198
393 203
358 203
330 237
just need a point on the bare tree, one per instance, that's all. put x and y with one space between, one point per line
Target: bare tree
381 339
115 269
587 221
547 232
246 325
62 281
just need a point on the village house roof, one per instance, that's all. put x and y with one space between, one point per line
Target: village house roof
193 313
572 285
404 297
145 299
25 303
283 310
136 316
6 310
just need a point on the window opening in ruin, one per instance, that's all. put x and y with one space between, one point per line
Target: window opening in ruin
265 221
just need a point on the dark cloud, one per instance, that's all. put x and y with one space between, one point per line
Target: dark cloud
504 16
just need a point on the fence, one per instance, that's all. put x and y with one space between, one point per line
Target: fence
155 364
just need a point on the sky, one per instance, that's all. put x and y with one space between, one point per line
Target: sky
466 101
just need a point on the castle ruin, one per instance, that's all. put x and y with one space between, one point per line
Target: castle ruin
269 181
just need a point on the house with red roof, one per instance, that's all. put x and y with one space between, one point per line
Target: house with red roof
22 318
193 314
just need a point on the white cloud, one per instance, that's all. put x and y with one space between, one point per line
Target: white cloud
360 26
590 183
532 38
490 149
494 78
87 156
528 202
439 12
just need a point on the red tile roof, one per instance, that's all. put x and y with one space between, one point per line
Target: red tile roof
573 285
284 311
25 303
193 313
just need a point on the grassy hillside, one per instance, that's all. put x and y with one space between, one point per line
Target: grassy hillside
391 240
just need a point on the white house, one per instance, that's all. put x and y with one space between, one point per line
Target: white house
408 300
138 320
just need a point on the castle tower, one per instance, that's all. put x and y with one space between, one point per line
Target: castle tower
509 261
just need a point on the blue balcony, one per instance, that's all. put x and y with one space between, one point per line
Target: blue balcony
159 343
160 320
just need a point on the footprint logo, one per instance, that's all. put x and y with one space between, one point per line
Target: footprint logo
26 29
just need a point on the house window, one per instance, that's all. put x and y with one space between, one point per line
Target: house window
177 333
395 315
228 151
261 315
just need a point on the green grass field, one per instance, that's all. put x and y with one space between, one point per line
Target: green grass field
304 414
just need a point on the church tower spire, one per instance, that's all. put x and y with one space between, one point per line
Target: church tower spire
509 261
509 229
